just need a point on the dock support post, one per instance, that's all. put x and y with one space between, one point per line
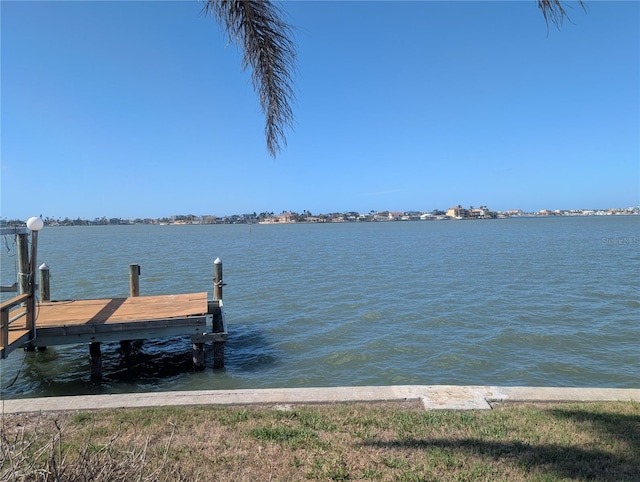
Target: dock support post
134 290
23 263
45 292
31 303
217 279
218 325
24 271
95 360
134 280
197 355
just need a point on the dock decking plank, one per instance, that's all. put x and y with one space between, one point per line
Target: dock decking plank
60 322
120 310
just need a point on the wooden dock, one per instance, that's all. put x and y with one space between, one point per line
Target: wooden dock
116 319
28 323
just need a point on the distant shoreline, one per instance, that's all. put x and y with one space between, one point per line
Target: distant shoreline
295 218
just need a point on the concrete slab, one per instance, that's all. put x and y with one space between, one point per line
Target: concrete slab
433 397
563 394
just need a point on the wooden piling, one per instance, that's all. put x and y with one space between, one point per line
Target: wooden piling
95 361
197 349
218 324
45 292
134 291
217 279
24 281
125 347
197 355
134 280
23 263
218 346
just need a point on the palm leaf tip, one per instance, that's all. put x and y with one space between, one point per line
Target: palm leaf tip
554 11
258 27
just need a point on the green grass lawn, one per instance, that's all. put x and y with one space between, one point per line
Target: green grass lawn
345 441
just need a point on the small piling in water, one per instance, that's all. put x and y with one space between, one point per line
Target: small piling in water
95 361
198 356
134 290
45 292
134 280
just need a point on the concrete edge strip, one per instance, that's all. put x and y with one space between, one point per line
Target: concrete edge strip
563 394
433 397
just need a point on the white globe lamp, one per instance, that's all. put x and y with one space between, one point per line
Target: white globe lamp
35 223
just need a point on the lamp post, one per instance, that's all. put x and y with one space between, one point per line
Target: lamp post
34 224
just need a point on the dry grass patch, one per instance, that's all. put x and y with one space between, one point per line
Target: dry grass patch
350 441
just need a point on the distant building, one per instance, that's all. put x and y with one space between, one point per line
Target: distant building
411 216
514 212
283 218
457 212
482 212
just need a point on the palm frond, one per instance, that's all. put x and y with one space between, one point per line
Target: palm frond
554 11
265 39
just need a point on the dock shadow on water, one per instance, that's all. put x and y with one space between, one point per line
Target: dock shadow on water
146 361
140 365
163 359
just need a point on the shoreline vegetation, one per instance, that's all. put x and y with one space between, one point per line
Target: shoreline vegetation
342 441
306 217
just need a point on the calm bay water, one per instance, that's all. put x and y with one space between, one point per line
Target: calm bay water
526 301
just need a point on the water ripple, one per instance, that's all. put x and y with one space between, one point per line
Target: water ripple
506 302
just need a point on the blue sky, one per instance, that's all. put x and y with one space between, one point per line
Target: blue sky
141 109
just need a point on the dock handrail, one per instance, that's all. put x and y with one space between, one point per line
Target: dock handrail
5 308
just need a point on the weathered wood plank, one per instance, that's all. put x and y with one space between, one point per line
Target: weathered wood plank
16 300
119 310
9 288
46 337
124 327
17 335
12 332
